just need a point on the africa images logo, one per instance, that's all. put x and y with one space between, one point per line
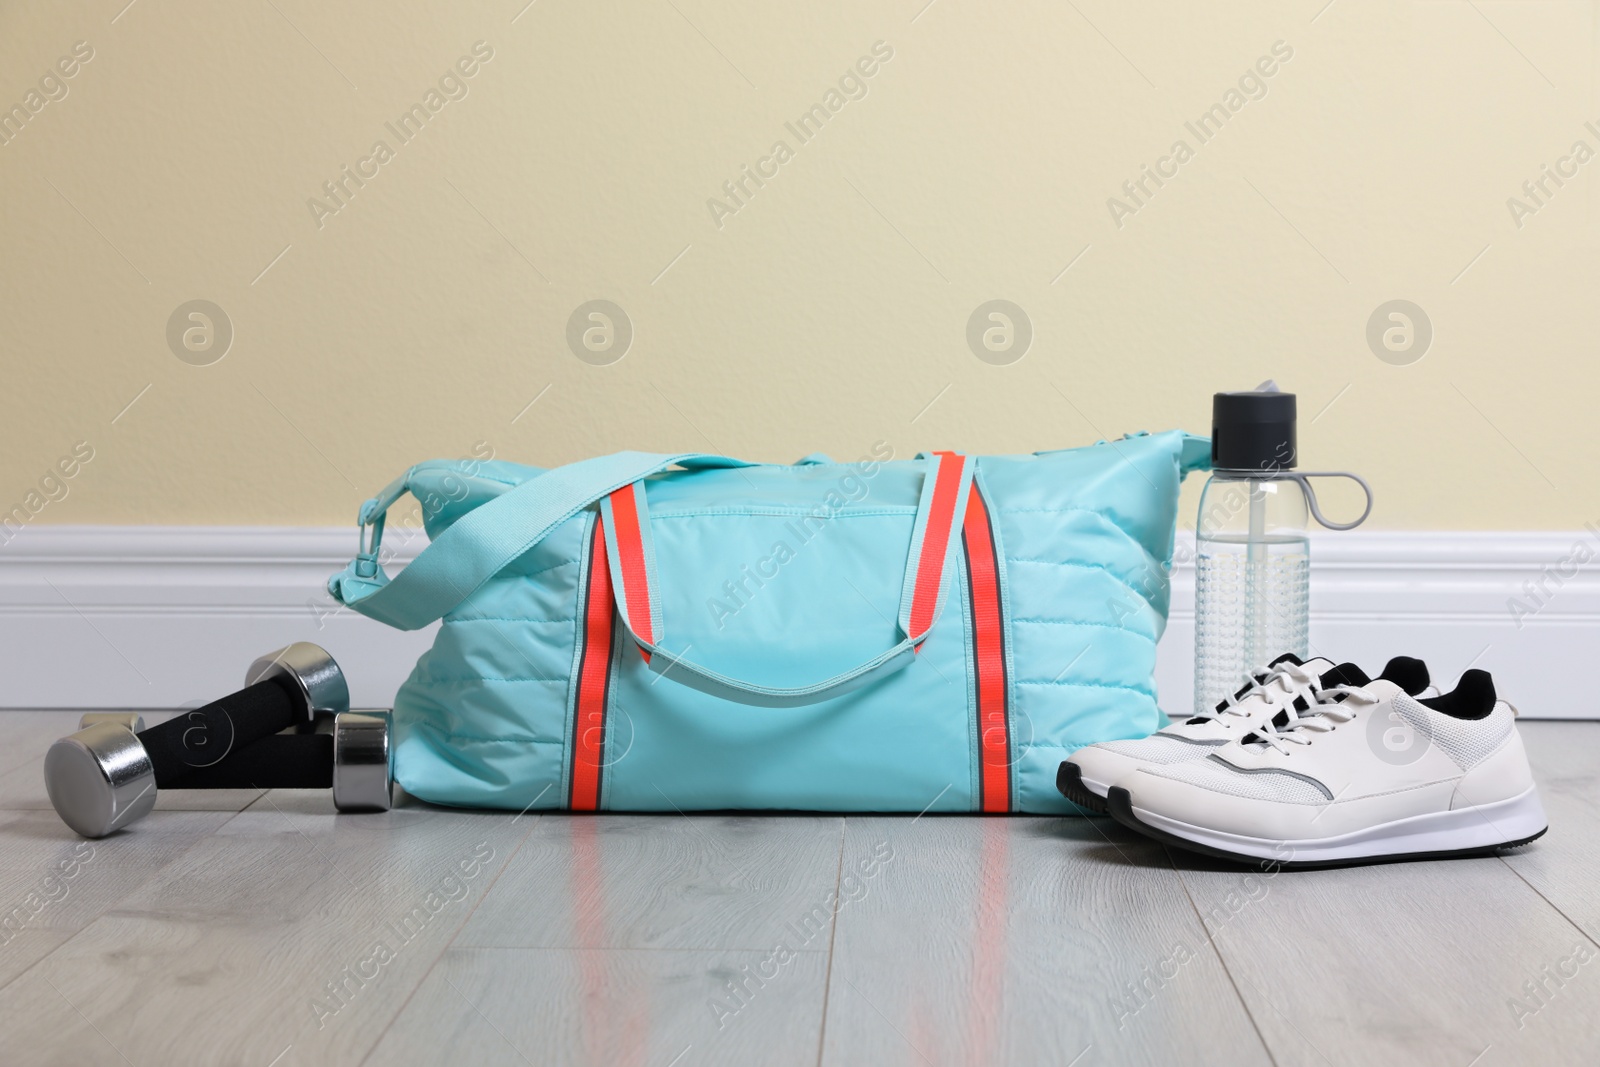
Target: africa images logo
453 84
852 85
1252 85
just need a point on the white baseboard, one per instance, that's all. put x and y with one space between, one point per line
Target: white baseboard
150 617
163 616
1444 597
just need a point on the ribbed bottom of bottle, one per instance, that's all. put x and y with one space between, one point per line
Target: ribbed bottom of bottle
1247 613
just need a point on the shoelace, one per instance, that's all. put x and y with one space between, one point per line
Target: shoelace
1332 707
1293 679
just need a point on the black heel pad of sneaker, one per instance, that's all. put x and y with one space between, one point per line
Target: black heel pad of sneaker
1409 674
1472 698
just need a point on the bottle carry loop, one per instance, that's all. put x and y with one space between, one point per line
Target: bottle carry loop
1304 478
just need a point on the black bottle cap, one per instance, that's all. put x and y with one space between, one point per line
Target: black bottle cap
1253 431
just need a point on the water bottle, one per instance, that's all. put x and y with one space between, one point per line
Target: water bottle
1252 559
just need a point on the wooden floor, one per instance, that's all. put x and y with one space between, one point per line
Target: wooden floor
261 929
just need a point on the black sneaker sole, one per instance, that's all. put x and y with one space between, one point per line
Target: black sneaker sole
1069 783
1120 807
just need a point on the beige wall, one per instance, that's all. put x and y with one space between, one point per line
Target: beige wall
832 307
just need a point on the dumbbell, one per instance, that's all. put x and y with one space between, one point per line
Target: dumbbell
105 776
349 754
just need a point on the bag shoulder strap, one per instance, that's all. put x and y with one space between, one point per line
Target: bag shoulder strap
481 543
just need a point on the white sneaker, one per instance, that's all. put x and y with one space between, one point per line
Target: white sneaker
1281 691
1372 774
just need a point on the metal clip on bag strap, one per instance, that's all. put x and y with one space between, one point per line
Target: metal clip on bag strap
1304 478
481 543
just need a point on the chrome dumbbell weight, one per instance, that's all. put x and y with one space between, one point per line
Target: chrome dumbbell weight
351 757
105 776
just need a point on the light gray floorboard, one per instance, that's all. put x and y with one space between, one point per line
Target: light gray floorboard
264 938
648 881
216 935
1564 865
1426 962
1028 940
1405 963
53 884
623 1007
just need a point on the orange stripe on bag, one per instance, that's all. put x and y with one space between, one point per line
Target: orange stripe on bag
594 674
635 577
989 655
935 540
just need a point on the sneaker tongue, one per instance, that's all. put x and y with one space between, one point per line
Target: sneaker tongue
1343 674
1287 657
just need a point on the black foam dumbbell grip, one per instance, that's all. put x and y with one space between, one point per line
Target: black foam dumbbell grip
282 761
209 735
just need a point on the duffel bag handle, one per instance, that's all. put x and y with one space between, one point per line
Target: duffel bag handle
630 557
487 539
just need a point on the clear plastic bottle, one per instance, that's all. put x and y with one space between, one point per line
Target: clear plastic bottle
1252 558
1252 581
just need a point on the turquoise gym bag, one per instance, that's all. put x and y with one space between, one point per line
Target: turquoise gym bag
644 632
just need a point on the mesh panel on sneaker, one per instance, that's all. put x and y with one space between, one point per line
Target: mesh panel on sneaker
1466 741
1160 748
1255 785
